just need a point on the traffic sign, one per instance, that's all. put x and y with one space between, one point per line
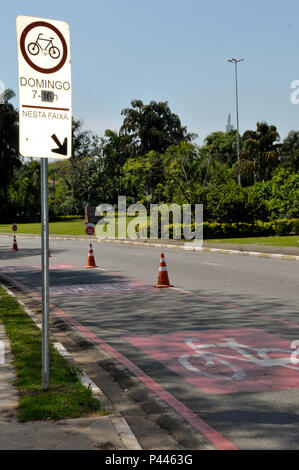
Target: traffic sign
45 89
89 230
14 227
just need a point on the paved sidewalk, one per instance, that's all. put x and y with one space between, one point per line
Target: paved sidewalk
88 433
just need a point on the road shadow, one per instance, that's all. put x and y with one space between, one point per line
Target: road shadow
9 254
63 277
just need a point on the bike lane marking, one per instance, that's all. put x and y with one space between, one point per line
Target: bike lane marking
217 439
227 361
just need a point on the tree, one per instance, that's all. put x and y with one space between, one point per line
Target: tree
71 179
134 179
291 142
115 150
290 151
152 127
260 153
182 169
283 202
170 177
84 149
9 153
25 191
221 146
225 203
142 177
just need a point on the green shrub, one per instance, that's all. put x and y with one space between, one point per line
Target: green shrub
241 229
258 228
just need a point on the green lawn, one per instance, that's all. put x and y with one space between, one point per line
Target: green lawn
72 227
69 227
66 397
291 240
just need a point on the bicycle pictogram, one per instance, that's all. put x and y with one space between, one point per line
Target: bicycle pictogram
222 366
46 47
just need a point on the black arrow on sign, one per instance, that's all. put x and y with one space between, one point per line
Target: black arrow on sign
62 149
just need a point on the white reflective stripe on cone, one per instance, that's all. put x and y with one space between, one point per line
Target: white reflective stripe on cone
162 268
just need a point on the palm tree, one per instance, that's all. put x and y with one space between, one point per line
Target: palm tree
260 153
153 127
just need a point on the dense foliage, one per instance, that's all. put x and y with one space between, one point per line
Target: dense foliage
153 159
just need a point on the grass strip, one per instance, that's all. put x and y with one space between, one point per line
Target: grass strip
66 397
283 240
66 227
72 227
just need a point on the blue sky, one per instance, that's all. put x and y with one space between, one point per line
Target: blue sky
175 51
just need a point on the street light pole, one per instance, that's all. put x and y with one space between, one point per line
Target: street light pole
236 61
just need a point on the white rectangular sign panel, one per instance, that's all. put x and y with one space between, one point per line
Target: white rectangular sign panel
45 88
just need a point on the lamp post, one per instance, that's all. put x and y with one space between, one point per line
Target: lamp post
236 61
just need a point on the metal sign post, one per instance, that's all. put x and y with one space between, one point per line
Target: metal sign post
45 122
45 274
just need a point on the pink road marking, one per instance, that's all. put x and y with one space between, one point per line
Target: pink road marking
204 428
254 360
219 441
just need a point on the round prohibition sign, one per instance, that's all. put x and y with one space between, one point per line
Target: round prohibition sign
89 230
27 58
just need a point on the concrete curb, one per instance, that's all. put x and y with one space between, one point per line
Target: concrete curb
120 424
197 249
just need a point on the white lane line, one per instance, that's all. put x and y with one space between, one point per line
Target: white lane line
213 264
137 254
181 290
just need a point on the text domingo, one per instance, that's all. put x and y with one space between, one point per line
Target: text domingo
45 84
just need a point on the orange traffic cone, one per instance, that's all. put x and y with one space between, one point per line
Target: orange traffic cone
163 280
15 245
90 260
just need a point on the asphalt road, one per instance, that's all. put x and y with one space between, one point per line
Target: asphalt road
214 352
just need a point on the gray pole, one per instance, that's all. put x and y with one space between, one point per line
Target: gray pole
235 61
45 274
238 129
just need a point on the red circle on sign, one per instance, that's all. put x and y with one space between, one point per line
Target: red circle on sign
15 227
25 55
89 230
